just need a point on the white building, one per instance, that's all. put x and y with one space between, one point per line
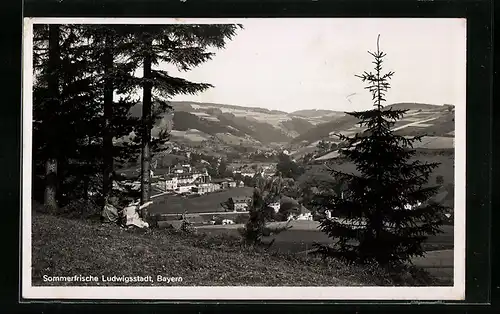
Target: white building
204 188
184 188
174 180
275 206
302 214
241 204
248 174
171 183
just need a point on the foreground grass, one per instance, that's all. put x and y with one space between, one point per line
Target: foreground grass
68 247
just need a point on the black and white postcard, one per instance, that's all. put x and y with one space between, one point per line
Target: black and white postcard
249 159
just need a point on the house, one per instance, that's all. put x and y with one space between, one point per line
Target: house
411 207
241 203
204 188
176 179
231 183
184 188
248 173
178 169
302 214
276 206
171 182
241 184
225 183
268 173
296 211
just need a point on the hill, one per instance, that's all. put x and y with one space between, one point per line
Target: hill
223 127
418 117
312 112
233 125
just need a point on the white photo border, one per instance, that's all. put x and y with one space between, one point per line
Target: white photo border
455 292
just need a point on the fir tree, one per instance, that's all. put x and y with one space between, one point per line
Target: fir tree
114 74
228 205
65 130
184 46
375 222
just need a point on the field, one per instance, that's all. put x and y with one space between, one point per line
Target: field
173 204
107 250
303 234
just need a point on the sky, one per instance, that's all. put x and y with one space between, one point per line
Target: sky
291 64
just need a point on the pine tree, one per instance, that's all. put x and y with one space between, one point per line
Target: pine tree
374 221
114 74
184 46
65 128
228 205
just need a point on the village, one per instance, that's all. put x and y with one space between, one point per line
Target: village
188 183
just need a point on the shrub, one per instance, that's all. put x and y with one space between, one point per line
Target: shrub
186 225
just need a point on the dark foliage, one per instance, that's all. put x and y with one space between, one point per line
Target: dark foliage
288 168
228 205
81 132
265 193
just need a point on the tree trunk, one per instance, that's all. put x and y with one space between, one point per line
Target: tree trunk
50 195
146 130
107 178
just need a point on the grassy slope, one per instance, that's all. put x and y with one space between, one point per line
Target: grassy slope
64 247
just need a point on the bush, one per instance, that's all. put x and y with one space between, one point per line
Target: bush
186 225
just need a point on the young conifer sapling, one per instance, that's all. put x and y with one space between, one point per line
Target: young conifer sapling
385 213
